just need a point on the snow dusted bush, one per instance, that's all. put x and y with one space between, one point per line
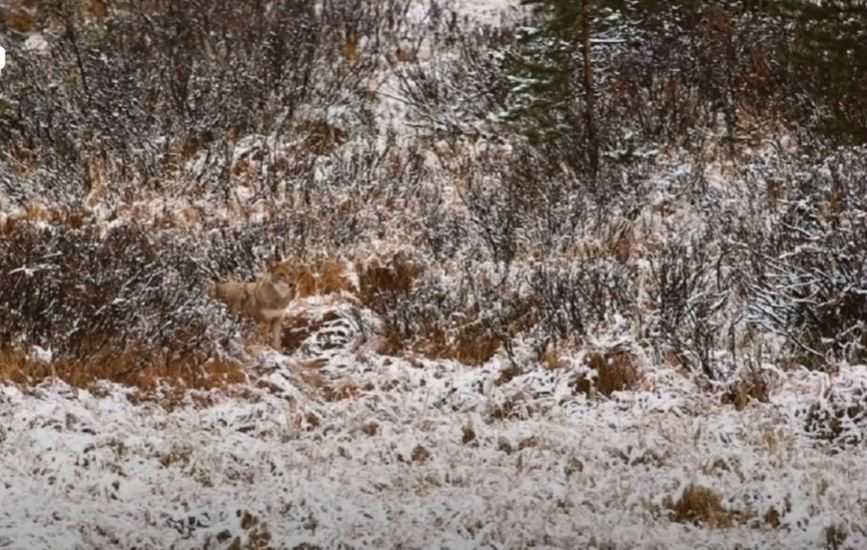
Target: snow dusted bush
460 95
427 312
689 300
808 264
143 96
109 307
839 415
581 298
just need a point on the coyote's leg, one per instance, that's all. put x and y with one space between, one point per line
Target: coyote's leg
275 325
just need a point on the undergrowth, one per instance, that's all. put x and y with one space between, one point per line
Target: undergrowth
146 154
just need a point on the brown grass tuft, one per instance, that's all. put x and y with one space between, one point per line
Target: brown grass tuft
835 537
747 387
333 277
312 421
19 20
615 370
319 279
305 279
511 407
551 359
378 279
258 532
370 429
772 518
420 454
340 391
472 345
839 418
701 506
125 368
529 443
468 434
507 375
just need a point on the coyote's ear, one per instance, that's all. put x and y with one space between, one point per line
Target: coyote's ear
275 259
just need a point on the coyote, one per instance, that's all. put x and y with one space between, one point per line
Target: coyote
264 299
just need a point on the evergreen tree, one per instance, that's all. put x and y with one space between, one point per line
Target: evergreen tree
552 71
829 58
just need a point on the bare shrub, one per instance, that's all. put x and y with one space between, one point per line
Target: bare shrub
147 93
467 318
241 250
807 269
453 97
579 297
748 385
111 307
439 321
689 292
839 416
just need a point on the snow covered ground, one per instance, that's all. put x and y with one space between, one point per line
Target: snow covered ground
420 454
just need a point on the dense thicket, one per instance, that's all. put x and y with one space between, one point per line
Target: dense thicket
702 197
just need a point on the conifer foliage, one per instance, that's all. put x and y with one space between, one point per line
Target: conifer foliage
829 51
552 69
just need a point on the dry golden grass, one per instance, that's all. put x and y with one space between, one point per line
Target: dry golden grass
746 388
472 345
379 277
126 368
700 505
19 20
349 48
328 276
616 370
35 211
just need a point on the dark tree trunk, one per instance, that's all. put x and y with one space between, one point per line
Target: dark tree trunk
589 98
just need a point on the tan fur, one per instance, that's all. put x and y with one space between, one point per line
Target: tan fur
264 300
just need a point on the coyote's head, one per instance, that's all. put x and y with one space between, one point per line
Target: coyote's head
283 278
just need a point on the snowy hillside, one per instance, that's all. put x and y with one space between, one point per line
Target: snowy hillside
535 306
